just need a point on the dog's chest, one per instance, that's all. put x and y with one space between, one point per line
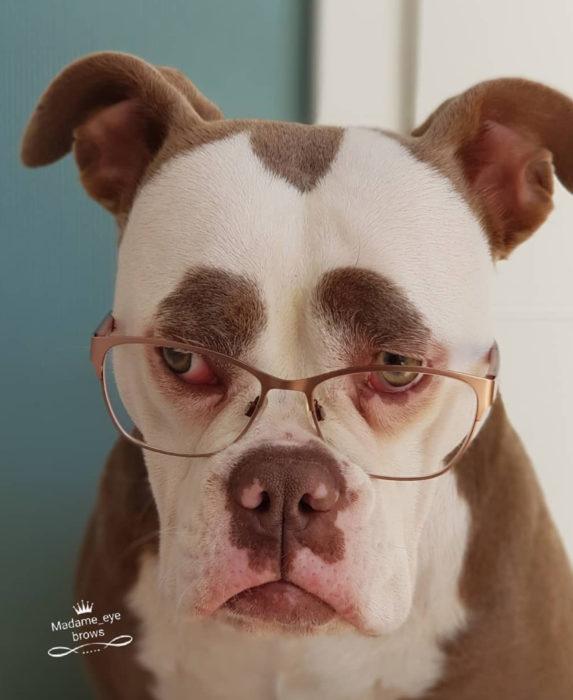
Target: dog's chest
207 659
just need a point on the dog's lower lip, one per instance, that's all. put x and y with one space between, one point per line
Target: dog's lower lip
281 602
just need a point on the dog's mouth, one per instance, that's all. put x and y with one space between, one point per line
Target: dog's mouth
281 602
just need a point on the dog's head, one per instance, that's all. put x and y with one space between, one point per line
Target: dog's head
299 250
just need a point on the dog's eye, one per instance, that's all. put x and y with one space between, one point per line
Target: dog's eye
190 366
394 380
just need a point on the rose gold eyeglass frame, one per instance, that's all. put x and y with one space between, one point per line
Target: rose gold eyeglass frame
485 388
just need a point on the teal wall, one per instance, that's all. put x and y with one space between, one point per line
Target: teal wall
56 282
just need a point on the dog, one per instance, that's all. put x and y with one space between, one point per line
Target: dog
279 566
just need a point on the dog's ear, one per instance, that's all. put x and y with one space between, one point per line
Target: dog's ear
115 111
504 137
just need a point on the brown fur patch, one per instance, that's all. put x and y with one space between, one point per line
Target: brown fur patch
367 312
123 526
300 154
516 581
215 308
204 107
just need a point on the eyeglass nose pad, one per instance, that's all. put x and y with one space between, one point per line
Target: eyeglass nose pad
254 406
316 416
319 411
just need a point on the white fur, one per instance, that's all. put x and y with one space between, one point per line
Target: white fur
378 208
207 658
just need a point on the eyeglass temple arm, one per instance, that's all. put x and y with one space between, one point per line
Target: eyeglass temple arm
96 353
494 361
106 326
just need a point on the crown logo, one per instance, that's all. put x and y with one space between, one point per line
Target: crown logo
82 607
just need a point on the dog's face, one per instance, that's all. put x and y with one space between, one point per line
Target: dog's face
254 263
301 250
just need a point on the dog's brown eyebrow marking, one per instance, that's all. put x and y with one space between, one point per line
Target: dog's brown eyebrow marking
364 309
219 309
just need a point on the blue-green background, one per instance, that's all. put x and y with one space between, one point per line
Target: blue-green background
56 282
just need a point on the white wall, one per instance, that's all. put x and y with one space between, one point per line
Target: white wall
358 42
449 45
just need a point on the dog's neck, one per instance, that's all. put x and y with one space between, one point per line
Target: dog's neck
516 582
474 595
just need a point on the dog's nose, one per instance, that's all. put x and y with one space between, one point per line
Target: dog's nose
274 491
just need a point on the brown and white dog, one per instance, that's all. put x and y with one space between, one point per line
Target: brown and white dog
300 249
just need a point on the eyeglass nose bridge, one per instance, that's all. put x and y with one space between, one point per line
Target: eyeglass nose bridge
297 385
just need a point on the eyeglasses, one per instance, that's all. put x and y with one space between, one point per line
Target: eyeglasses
196 402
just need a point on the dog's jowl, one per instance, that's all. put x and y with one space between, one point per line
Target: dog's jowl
318 494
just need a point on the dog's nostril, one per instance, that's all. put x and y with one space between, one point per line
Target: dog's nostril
265 503
304 504
320 500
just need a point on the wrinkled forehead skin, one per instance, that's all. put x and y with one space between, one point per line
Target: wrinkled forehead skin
244 204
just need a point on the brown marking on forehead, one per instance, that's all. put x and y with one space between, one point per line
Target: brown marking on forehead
276 530
219 309
300 154
368 312
124 118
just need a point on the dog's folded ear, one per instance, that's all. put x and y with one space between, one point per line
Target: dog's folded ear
504 137
116 112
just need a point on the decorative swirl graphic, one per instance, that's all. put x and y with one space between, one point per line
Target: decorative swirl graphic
121 641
